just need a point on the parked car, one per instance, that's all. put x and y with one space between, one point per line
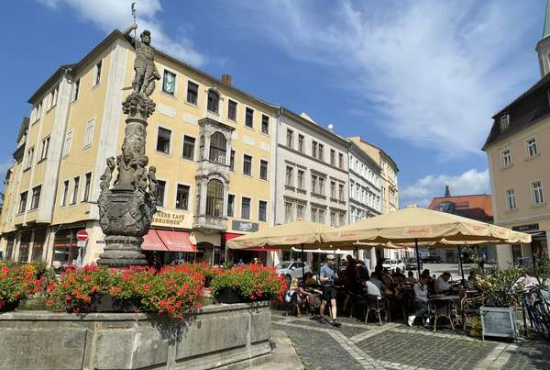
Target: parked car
411 264
392 265
292 269
431 259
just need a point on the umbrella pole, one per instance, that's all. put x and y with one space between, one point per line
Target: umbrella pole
303 267
460 261
417 257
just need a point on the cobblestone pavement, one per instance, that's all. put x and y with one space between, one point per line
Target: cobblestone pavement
396 346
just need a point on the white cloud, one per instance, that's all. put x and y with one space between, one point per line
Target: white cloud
435 70
111 14
429 187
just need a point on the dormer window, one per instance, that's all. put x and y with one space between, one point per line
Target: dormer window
504 122
213 101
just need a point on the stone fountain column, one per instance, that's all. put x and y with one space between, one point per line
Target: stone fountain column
127 208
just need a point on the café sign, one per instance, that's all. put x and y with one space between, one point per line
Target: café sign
244 226
524 228
168 218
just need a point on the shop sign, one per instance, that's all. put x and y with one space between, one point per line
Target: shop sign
524 228
168 218
244 226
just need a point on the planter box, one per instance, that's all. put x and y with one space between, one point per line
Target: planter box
221 336
498 322
228 295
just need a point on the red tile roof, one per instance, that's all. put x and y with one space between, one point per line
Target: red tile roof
477 207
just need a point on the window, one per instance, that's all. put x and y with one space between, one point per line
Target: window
249 119
87 187
314 214
333 221
263 169
76 90
188 147
301 179
321 218
511 199
53 97
247 165
67 144
262 211
65 197
300 143
76 185
36 112
182 197
23 202
163 140
98 72
89 134
192 92
169 82
289 138
504 122
532 148
30 157
506 158
314 183
536 190
232 161
232 110
341 192
314 146
321 185
321 152
332 157
218 148
161 190
213 101
289 176
265 124
342 220
333 189
35 201
45 148
230 205
340 160
300 211
245 208
289 212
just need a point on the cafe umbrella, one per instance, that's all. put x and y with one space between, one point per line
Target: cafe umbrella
422 227
302 233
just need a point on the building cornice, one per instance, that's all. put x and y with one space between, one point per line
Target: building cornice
285 112
294 151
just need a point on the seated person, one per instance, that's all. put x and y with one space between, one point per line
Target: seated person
375 279
398 273
420 300
470 283
388 285
310 281
442 284
411 279
372 289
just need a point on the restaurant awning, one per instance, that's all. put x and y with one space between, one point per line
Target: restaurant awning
168 241
177 241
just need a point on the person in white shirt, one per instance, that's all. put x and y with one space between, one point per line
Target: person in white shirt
372 289
442 283
420 299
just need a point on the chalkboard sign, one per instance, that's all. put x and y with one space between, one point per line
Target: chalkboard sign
498 322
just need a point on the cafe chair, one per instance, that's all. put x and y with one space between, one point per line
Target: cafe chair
359 301
377 305
439 308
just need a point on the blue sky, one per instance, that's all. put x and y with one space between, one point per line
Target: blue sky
420 78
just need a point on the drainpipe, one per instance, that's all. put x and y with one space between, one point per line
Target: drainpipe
275 169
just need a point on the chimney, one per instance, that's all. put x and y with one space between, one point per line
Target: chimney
226 79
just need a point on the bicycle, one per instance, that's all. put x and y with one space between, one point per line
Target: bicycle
538 309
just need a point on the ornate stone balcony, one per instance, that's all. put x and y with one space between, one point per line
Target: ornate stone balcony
210 224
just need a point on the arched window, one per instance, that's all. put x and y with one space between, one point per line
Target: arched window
214 198
213 101
218 148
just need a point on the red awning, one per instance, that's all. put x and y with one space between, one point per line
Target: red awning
177 241
229 236
152 242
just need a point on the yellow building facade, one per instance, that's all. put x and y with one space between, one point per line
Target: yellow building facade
212 146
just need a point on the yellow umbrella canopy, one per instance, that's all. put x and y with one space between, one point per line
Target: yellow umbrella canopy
423 225
298 233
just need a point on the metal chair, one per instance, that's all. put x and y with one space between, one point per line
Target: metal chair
357 300
377 305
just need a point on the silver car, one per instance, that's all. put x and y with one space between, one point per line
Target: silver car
292 269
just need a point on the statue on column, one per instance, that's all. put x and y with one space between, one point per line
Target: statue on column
126 210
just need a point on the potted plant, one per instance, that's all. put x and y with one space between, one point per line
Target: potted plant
16 283
502 292
250 283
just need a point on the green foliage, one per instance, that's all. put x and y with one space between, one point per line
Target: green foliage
17 282
500 286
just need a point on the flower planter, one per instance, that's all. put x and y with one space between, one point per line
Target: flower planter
498 322
35 303
228 295
8 306
105 302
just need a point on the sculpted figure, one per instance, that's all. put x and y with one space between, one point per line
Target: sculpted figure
108 174
144 65
153 181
